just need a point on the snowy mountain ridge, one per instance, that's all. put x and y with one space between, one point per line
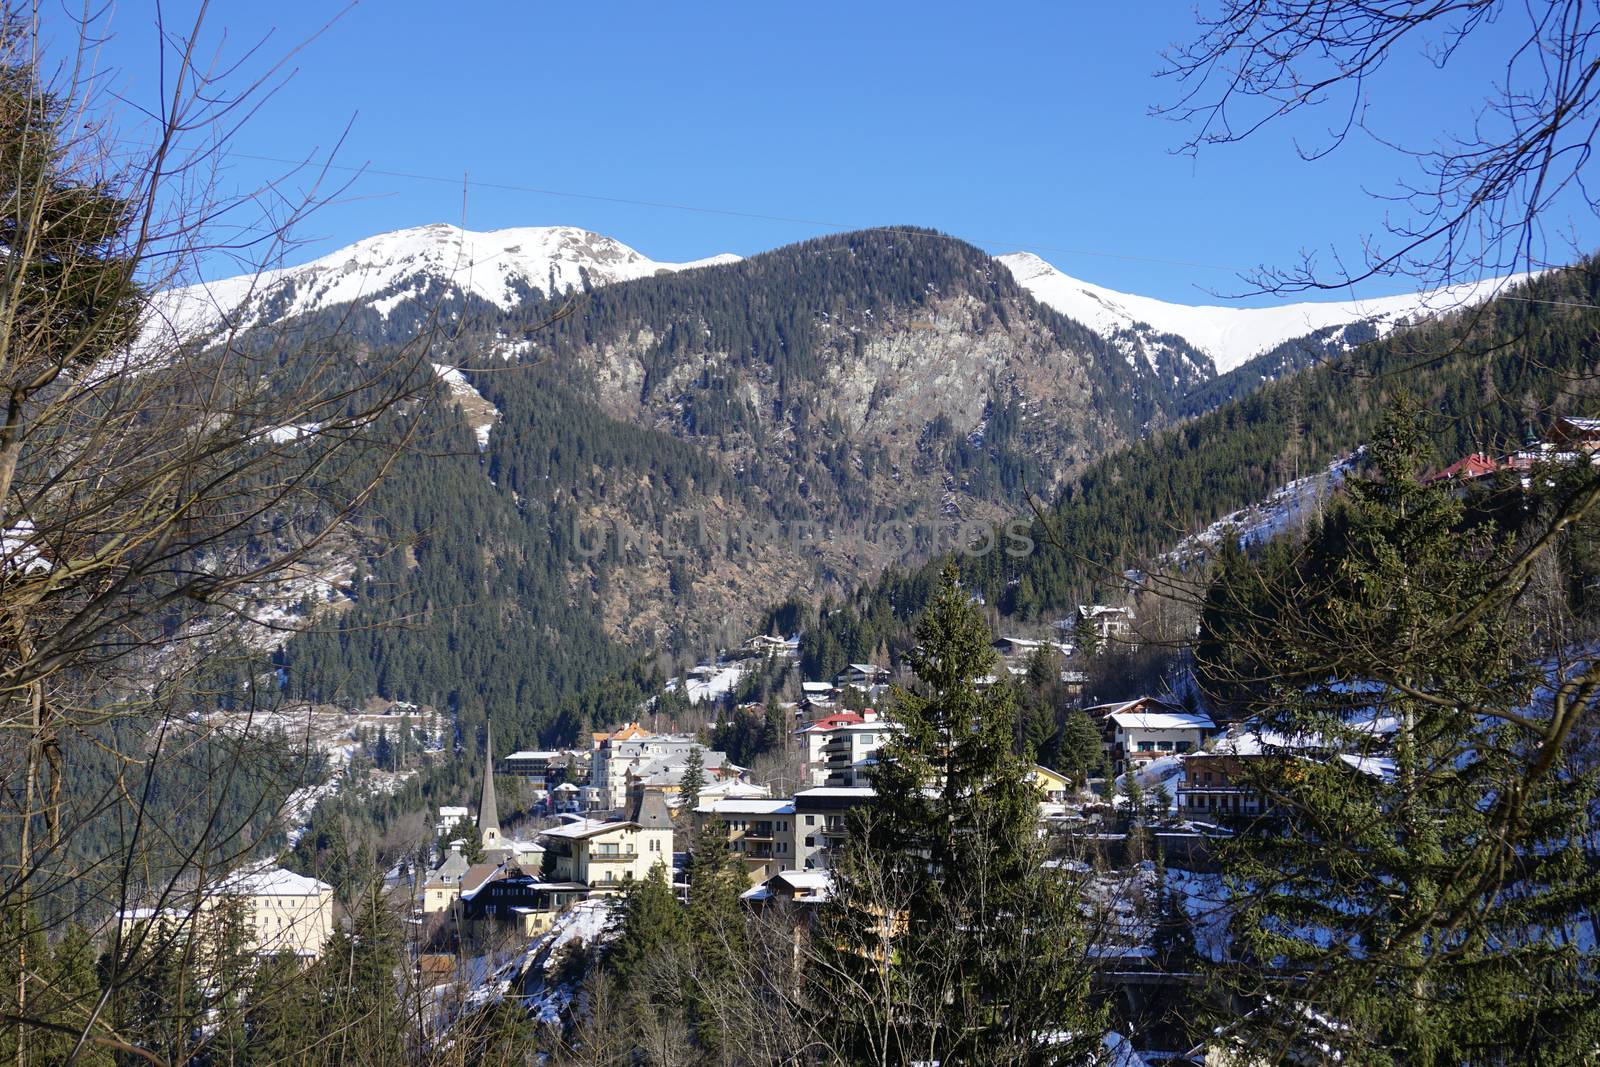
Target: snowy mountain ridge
1230 335
499 266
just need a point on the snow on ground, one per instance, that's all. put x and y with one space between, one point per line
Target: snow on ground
280 435
1287 505
481 415
18 552
547 997
1120 1052
299 805
1231 335
710 682
1162 771
497 265
1204 900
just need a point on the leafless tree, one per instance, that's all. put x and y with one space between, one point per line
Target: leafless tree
1479 203
166 492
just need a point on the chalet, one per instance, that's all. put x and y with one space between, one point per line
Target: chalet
1216 784
1570 434
542 770
1145 729
767 645
510 900
1108 623
1019 649
862 676
791 887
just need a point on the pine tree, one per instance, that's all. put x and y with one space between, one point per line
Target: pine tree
694 780
714 925
649 919
1425 881
970 948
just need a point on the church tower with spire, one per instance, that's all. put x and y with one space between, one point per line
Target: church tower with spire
488 811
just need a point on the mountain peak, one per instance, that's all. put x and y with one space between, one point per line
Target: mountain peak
382 271
1231 335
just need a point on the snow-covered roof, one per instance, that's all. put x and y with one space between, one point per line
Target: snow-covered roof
273 882
816 687
1381 767
746 807
585 828
533 755
1152 720
838 791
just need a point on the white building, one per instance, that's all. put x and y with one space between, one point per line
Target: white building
629 752
1140 735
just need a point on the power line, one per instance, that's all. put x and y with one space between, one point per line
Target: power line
459 181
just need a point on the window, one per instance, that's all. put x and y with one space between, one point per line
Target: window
1147 746
811 820
811 842
783 846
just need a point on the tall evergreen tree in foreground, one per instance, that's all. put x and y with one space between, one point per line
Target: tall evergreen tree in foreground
1420 893
947 939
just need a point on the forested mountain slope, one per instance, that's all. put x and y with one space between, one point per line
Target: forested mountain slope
667 455
1484 374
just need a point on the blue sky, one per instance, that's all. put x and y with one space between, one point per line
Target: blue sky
1020 126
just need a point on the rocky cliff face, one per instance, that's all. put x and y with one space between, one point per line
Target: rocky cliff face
690 444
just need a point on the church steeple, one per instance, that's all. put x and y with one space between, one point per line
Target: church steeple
488 812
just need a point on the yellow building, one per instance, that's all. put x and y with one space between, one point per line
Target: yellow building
283 911
759 831
443 884
1055 786
604 855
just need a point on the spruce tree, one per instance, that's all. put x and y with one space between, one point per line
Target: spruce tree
1416 895
715 928
648 920
972 950
694 780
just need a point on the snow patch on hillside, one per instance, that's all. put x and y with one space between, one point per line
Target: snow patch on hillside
1232 335
480 413
1287 506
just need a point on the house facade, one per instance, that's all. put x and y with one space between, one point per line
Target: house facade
759 832
1135 737
1216 785
820 826
604 855
279 910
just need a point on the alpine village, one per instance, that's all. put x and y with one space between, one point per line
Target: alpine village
427 642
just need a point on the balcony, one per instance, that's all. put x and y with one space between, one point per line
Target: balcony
613 856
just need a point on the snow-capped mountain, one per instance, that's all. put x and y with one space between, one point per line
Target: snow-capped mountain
1229 335
499 266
